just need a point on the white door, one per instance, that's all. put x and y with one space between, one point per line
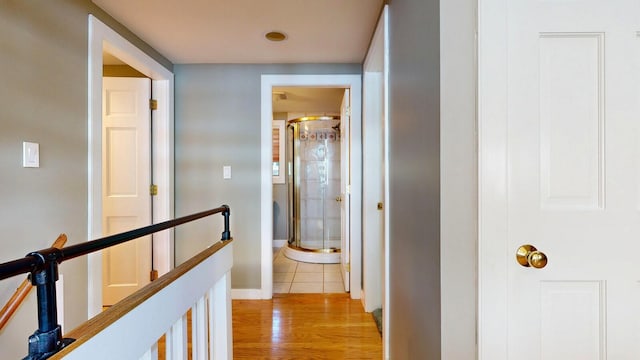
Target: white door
125 183
344 188
559 170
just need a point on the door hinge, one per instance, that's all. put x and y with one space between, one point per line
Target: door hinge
153 104
154 275
347 267
347 111
153 190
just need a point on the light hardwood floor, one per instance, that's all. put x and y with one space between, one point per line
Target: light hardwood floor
304 326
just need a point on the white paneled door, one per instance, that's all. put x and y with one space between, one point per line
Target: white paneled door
345 254
125 183
559 170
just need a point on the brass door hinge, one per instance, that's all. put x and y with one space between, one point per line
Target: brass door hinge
347 267
153 104
153 190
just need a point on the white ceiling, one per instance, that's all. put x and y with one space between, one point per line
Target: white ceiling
232 31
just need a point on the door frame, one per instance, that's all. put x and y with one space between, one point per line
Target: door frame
375 123
493 260
354 82
379 47
103 38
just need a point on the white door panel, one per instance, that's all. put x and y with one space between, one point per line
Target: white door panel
126 180
571 182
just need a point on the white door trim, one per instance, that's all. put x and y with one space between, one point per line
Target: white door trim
354 82
492 179
102 37
374 169
379 47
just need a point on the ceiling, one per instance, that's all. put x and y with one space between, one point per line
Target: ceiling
232 31
307 100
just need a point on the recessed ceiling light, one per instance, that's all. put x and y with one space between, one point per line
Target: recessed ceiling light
275 36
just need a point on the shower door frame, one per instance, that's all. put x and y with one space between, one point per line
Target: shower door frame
354 83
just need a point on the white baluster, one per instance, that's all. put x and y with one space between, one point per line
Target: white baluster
199 330
221 343
177 340
146 356
154 351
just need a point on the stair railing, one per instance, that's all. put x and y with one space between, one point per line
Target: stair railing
42 267
23 290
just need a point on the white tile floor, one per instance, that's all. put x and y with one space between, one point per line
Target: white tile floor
290 276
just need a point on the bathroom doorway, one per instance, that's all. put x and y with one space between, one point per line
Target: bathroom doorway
274 91
307 195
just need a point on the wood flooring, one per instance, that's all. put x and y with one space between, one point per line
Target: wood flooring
304 326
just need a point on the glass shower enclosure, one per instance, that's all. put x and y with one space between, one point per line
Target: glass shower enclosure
314 188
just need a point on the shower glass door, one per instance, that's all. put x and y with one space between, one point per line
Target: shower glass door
317 185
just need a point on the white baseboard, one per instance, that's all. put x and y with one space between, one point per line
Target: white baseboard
246 294
363 301
279 243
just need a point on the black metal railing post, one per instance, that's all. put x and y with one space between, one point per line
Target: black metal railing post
47 339
226 234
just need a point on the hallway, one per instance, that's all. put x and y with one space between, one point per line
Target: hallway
304 326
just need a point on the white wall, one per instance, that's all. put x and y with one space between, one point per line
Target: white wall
458 174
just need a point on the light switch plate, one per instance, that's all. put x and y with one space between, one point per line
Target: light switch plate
30 154
226 172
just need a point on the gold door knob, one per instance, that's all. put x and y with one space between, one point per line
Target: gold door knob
529 256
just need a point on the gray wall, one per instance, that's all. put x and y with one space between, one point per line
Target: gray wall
414 179
43 99
433 179
218 123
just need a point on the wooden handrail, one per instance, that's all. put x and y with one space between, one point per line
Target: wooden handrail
23 290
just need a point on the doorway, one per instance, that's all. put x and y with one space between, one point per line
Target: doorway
126 175
269 82
308 196
104 39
